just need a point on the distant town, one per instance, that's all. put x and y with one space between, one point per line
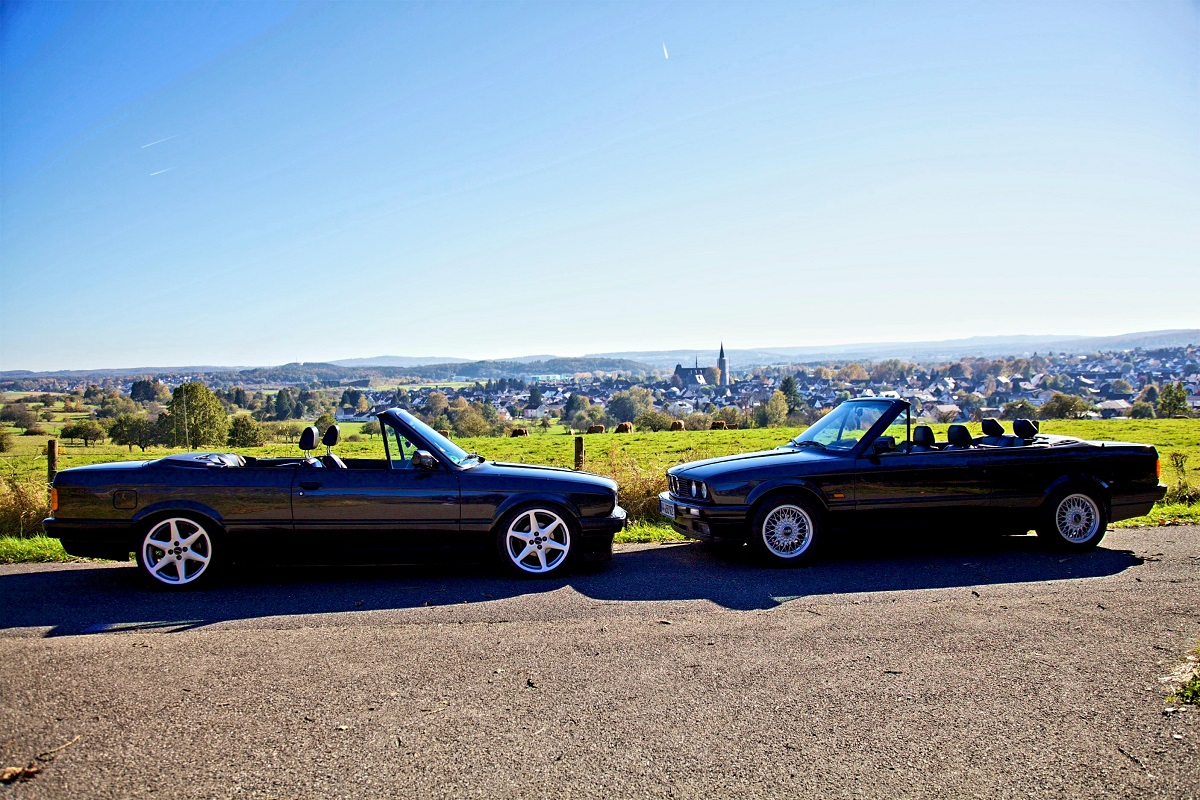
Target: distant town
1137 383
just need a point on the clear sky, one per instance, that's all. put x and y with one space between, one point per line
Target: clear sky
257 183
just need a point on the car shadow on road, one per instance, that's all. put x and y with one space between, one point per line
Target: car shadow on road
77 599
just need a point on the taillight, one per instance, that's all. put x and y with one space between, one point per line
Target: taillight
53 499
1158 468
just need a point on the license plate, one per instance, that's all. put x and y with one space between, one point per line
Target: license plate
666 508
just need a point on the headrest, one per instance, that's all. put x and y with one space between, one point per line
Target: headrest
992 428
331 436
923 435
308 439
959 435
1025 428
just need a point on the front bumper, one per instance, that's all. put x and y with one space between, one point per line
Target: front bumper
703 521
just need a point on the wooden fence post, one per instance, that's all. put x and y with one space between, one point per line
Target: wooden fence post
579 453
51 460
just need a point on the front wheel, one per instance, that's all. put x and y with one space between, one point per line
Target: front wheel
785 531
535 540
176 552
1073 520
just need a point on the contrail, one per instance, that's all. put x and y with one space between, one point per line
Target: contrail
664 56
161 171
160 141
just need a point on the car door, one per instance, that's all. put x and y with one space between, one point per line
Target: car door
903 487
395 507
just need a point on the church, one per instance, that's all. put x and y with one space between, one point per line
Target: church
694 376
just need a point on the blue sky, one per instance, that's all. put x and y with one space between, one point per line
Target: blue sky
333 181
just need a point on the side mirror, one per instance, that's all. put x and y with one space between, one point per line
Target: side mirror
423 459
884 444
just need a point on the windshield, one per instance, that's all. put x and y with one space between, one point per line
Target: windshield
443 445
841 428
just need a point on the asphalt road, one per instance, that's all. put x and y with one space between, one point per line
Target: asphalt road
916 669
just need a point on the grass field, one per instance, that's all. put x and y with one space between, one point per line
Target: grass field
638 461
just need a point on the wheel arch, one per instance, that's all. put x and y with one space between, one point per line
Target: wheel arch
765 493
524 499
147 517
1079 480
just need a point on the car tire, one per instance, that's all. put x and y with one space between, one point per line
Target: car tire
1073 520
176 552
786 531
537 541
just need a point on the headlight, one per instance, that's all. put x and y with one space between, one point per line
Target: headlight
695 489
703 491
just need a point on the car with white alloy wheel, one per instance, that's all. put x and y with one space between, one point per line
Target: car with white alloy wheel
187 516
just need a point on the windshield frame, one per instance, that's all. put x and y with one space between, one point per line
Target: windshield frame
869 435
420 433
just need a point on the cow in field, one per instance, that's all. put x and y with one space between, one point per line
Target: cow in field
625 427
596 429
519 432
677 425
719 425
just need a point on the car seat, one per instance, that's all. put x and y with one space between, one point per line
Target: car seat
959 438
332 433
922 439
1025 428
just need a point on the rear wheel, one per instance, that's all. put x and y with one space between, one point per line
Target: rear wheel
1073 520
785 531
177 552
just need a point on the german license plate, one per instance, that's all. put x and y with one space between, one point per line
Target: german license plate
666 508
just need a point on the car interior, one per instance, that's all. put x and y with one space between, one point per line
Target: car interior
958 437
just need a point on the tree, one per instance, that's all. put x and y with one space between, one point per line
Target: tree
1064 406
285 404
471 423
325 422
1019 409
1149 394
370 428
1141 410
712 376
130 430
535 395
628 405
195 417
575 403
790 393
435 404
1120 387
245 432
87 429
773 414
653 421
146 391
1172 401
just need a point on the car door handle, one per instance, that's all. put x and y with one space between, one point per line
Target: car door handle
310 485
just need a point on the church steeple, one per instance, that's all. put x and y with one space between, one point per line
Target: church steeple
723 365
722 355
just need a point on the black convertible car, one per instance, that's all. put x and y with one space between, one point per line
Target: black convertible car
866 464
186 515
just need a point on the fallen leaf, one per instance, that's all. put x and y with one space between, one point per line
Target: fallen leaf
19 774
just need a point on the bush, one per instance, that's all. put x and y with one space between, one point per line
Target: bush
1182 492
6 442
23 506
1141 410
653 421
354 437
34 431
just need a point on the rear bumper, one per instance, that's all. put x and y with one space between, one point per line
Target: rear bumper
92 538
1136 504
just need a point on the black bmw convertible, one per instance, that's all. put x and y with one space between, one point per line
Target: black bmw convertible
187 515
865 464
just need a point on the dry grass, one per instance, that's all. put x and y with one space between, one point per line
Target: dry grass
23 506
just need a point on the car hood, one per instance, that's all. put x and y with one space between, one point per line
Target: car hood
700 470
543 473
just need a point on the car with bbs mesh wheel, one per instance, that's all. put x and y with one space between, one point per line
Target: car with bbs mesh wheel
867 465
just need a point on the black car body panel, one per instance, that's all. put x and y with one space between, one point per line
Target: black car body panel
1002 486
374 510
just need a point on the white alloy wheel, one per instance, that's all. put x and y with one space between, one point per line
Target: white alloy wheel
537 541
1077 518
787 531
176 551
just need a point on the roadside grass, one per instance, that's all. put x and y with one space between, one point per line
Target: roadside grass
32 550
647 532
1189 690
